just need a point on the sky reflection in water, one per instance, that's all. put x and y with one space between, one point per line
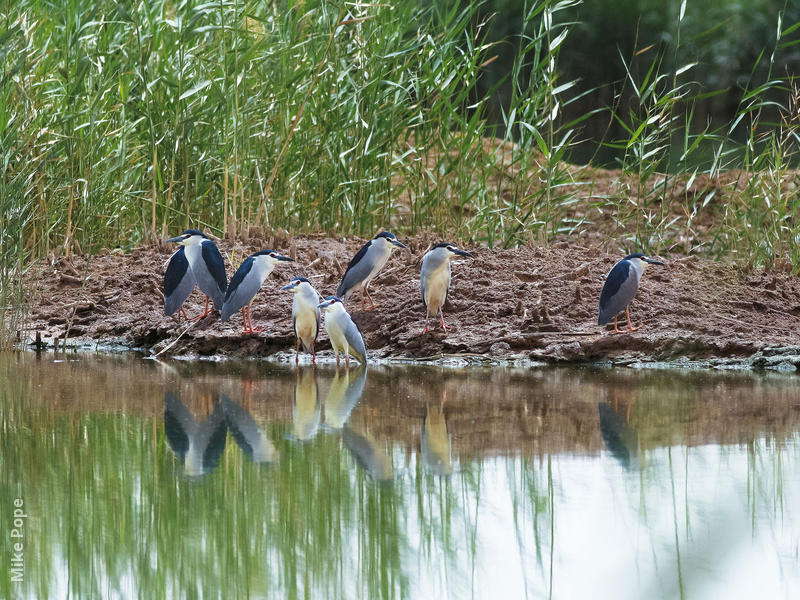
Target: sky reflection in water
253 479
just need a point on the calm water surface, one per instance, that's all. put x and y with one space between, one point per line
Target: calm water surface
142 479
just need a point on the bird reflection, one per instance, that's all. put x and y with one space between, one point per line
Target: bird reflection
345 392
370 455
197 445
619 437
248 435
306 409
435 441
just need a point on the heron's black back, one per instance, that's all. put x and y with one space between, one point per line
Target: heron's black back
239 276
178 282
216 266
346 284
612 301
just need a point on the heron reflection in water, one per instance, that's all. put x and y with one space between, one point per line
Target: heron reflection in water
197 445
306 410
370 454
248 435
435 441
618 436
343 396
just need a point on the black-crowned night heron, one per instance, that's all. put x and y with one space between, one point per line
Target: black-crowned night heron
305 315
342 331
248 435
197 261
620 288
198 445
245 284
366 264
434 278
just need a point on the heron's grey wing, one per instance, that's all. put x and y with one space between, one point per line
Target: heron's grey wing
179 424
358 270
210 275
423 274
179 282
618 291
241 290
355 340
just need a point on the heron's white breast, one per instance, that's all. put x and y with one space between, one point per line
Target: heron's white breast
382 250
262 267
335 331
436 286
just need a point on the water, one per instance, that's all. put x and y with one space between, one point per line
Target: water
146 479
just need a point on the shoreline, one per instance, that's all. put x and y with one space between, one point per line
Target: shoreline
535 304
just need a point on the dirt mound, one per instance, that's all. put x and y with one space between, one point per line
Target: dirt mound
536 302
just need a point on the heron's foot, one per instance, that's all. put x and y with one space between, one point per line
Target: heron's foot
200 316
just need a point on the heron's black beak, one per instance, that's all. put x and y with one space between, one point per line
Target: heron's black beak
462 252
289 286
325 304
654 262
175 240
398 243
281 257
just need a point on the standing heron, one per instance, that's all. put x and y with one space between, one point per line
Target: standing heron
620 288
305 315
245 284
434 279
200 256
365 266
343 332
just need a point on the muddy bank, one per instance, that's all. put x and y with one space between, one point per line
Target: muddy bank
530 303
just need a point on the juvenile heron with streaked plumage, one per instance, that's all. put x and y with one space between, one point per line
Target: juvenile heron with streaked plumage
245 284
365 265
434 279
620 287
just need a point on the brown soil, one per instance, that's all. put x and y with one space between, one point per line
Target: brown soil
532 302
